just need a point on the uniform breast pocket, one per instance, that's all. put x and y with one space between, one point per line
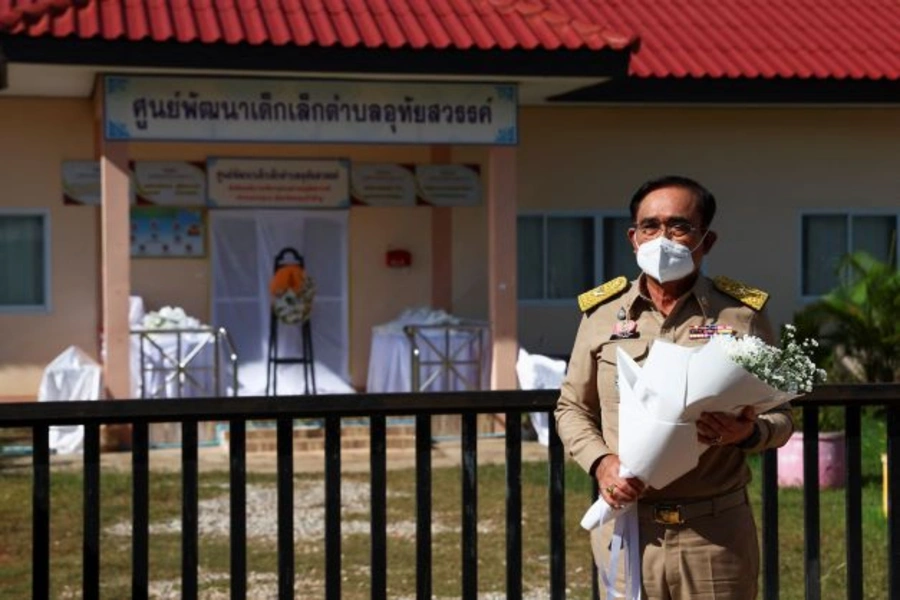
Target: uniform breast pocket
606 366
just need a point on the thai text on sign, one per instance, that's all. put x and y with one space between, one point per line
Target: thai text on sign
159 108
278 183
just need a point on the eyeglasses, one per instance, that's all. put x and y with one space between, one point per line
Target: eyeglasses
674 229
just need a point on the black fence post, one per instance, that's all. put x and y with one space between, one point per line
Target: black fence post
423 507
469 486
853 502
40 516
237 456
285 450
90 578
770 525
513 506
189 509
332 508
557 515
140 512
811 537
893 468
378 488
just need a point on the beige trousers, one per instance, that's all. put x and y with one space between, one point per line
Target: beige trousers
714 557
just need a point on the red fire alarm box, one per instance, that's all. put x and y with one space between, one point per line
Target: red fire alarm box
398 258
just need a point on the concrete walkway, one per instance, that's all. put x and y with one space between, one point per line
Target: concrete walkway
215 458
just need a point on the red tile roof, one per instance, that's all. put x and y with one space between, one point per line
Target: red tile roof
820 39
855 39
461 24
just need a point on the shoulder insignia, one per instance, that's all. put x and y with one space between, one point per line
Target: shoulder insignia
750 296
601 293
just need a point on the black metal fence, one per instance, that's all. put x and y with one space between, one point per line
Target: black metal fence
331 409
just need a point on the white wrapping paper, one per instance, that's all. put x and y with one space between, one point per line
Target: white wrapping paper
659 406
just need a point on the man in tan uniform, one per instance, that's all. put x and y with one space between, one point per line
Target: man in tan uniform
697 535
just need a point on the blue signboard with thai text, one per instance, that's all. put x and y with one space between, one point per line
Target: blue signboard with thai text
210 109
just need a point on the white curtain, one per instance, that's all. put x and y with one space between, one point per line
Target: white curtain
244 246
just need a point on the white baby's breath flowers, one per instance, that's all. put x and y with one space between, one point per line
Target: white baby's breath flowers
787 369
169 317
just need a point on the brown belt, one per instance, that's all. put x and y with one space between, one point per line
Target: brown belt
677 513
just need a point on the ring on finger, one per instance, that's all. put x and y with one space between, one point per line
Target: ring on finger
610 489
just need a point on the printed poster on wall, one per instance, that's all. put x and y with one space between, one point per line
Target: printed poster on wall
375 184
219 109
448 185
278 183
383 185
167 232
169 183
153 183
81 182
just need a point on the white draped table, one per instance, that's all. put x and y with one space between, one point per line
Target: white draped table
180 363
455 348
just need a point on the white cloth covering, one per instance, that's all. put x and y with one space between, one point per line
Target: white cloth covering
73 375
290 380
537 372
390 360
162 350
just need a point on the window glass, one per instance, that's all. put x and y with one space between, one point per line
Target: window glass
570 256
825 240
874 234
530 258
618 255
22 261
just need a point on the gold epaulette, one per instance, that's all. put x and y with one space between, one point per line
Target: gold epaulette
750 296
602 293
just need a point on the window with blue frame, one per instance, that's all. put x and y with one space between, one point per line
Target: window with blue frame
828 237
24 261
561 255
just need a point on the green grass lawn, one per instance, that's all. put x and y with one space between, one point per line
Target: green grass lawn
66 524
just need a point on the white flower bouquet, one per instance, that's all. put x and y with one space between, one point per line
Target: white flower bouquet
789 368
661 401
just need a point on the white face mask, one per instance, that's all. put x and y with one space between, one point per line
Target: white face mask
665 260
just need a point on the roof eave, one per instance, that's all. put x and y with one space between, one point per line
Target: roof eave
605 63
735 91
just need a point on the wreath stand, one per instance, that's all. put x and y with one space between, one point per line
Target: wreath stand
305 357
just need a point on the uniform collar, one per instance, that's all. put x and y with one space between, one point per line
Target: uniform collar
701 291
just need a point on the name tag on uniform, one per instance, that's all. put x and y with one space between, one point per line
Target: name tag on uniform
704 332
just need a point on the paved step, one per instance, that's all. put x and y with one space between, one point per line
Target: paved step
312 439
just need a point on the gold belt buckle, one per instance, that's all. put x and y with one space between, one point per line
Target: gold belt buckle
667 514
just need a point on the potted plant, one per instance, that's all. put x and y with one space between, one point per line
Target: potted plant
858 327
830 422
831 450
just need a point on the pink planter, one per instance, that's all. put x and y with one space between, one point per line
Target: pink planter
831 461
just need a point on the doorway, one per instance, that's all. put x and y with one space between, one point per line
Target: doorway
244 244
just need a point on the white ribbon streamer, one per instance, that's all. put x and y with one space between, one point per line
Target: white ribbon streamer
626 536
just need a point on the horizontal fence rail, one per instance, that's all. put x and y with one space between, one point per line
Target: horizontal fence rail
237 412
377 407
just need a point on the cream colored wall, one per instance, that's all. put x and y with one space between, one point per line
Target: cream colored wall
470 250
36 136
378 293
763 164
